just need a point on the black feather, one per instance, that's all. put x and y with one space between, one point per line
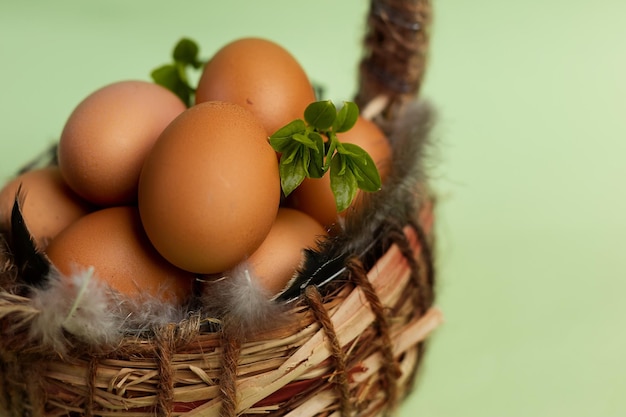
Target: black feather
32 265
318 269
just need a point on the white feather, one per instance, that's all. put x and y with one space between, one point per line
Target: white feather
88 309
78 305
240 302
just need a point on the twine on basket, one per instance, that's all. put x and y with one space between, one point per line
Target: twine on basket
390 369
314 300
92 372
231 349
164 350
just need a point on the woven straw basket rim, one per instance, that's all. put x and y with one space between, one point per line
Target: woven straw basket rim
352 351
302 356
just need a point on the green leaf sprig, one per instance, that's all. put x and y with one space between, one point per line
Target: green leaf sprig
309 148
174 76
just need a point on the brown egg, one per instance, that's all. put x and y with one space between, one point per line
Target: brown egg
113 242
209 190
108 135
262 77
315 197
281 253
49 205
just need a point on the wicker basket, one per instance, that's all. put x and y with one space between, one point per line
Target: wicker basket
350 347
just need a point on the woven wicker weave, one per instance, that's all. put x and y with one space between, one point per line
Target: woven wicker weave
351 348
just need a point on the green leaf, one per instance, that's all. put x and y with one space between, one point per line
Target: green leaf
168 76
351 151
305 140
186 52
182 73
321 114
293 127
290 154
346 117
340 163
342 183
316 167
363 168
282 138
306 161
330 147
291 175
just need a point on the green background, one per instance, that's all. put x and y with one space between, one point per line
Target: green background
529 169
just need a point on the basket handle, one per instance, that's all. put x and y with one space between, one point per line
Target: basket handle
396 47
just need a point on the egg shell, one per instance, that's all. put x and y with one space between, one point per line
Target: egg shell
113 242
276 261
314 195
49 205
108 135
261 76
210 189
